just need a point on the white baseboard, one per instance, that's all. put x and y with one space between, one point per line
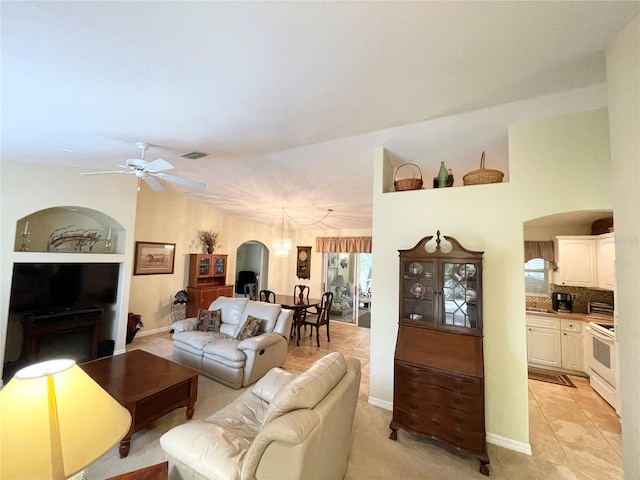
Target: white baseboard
491 437
514 445
145 333
377 402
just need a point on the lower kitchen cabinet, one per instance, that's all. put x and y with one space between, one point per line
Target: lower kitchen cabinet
555 342
571 344
544 346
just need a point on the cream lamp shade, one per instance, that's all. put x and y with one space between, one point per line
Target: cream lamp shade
56 420
338 281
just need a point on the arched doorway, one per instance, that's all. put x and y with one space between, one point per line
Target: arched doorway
252 256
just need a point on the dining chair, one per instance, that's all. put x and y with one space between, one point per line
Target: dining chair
321 317
302 292
267 296
250 290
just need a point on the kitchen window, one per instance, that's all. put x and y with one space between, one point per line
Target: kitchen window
536 277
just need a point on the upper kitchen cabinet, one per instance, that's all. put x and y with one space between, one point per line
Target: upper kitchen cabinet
576 259
606 258
585 261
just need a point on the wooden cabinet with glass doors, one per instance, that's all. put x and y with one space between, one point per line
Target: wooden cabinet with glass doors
438 364
207 281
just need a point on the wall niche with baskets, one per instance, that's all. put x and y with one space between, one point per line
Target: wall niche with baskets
407 176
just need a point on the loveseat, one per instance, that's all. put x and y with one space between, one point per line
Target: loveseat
284 427
220 353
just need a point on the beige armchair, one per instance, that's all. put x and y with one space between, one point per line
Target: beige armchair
284 427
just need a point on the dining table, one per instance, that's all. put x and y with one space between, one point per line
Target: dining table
299 305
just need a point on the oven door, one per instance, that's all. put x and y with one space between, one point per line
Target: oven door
602 352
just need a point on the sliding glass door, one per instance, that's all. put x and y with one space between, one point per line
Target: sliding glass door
348 276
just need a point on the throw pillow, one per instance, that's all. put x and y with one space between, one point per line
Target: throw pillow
249 328
209 320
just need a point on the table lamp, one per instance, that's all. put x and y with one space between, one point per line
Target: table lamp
56 420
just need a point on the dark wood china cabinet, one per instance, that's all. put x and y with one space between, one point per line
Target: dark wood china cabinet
207 281
438 364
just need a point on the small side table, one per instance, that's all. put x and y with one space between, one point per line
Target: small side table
154 472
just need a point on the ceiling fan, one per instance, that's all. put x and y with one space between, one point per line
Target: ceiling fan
151 171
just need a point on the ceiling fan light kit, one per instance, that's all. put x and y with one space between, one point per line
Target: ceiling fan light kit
151 171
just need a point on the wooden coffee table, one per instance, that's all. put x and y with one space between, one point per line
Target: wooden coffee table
147 385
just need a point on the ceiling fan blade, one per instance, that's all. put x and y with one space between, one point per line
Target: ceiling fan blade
158 165
183 181
153 184
100 173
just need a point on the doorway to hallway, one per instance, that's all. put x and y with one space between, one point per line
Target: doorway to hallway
252 266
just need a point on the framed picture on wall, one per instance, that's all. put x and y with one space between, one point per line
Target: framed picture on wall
154 258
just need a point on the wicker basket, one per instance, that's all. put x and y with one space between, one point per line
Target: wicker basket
407 183
484 175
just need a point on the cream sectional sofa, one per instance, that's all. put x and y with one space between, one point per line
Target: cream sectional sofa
224 358
284 427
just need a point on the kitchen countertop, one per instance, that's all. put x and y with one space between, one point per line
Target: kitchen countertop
583 317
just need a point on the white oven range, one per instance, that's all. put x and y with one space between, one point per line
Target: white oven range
602 359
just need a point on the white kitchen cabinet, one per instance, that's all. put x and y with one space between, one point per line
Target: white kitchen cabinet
555 342
577 264
572 356
572 351
606 256
544 345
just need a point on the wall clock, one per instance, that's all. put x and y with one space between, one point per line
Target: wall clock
303 262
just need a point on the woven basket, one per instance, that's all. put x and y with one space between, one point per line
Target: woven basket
407 183
484 175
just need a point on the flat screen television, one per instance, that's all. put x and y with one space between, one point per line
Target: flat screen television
56 287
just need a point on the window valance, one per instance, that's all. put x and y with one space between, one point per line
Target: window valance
343 244
542 250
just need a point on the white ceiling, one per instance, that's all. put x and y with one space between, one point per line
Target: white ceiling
288 99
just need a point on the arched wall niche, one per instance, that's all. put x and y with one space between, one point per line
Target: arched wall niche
69 229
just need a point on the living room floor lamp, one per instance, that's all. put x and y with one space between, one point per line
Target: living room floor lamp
56 420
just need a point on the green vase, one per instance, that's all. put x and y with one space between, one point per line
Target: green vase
443 175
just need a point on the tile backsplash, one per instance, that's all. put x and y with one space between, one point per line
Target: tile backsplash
582 297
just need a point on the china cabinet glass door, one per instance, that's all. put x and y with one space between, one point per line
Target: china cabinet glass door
460 292
418 291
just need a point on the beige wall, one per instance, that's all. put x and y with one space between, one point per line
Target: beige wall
29 188
566 159
170 217
623 78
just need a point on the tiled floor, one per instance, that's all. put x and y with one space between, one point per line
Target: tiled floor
572 430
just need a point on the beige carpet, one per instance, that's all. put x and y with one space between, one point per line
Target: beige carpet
373 455
145 447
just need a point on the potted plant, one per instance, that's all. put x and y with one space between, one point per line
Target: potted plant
209 239
134 323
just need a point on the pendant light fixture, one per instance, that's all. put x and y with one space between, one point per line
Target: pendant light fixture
282 245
